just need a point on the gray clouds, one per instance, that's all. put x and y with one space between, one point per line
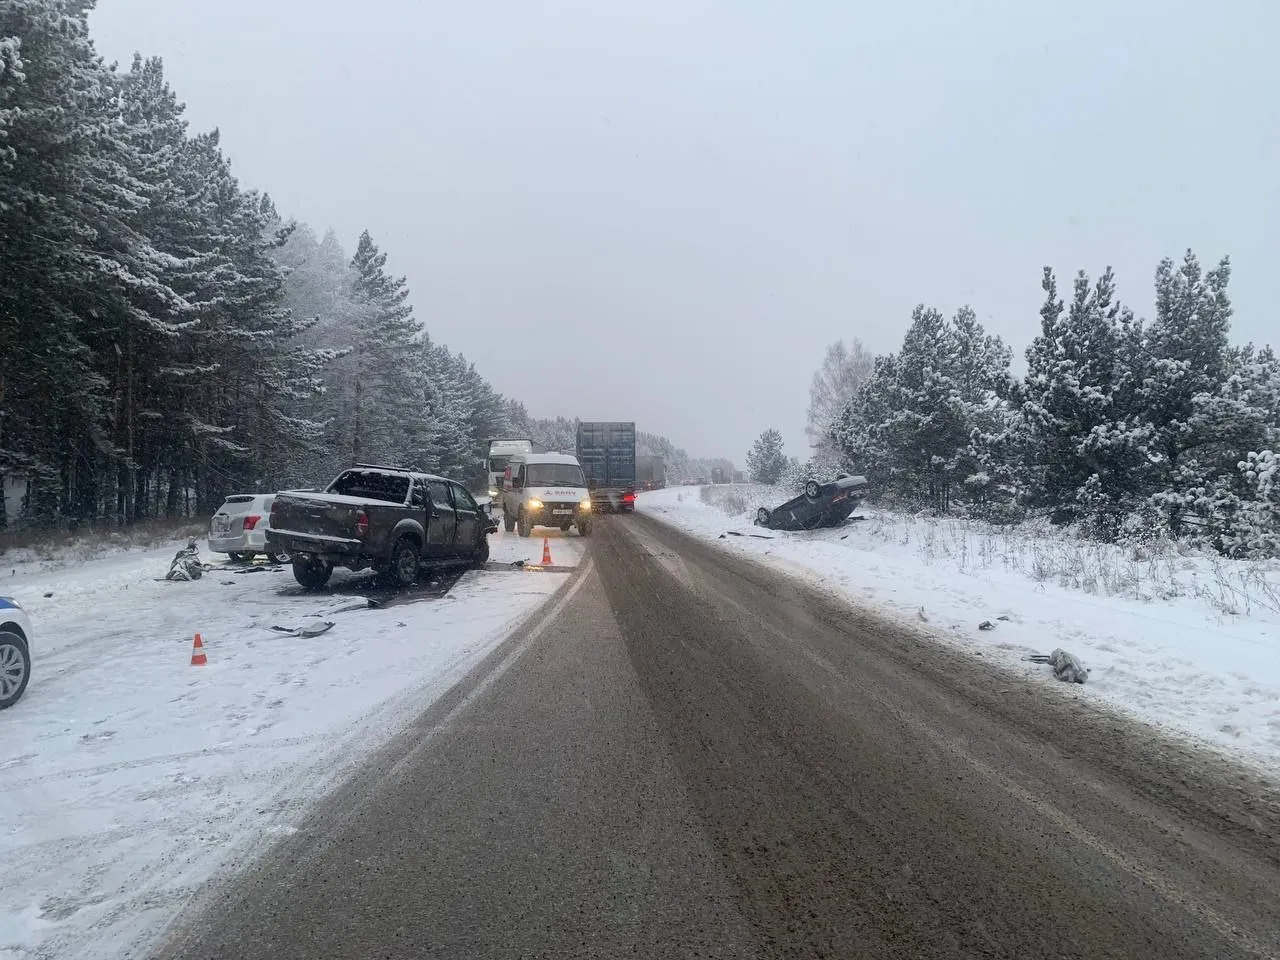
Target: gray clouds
694 198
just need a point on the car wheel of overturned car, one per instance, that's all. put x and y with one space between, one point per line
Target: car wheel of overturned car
482 554
15 668
524 526
404 563
311 574
762 517
813 489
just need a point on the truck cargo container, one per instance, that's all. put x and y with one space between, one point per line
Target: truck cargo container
607 452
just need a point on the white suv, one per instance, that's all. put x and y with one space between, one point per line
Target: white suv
545 490
239 528
15 651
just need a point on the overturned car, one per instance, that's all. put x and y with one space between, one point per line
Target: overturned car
821 505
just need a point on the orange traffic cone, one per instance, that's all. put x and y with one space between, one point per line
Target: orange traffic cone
546 552
198 659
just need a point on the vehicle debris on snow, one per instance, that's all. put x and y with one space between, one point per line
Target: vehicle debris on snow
1066 666
186 564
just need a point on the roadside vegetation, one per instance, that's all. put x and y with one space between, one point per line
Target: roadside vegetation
1121 431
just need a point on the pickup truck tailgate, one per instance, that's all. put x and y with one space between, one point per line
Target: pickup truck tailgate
322 516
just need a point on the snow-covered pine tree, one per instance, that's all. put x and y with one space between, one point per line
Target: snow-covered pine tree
319 285
1196 429
386 386
556 433
766 459
1077 402
925 426
55 140
487 417
983 387
443 443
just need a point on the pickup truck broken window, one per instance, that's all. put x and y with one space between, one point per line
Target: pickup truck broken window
372 485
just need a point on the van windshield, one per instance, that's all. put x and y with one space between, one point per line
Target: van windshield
554 475
498 464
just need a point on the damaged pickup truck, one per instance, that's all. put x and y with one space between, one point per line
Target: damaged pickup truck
395 521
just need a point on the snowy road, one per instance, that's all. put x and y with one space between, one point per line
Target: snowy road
128 778
1189 643
693 755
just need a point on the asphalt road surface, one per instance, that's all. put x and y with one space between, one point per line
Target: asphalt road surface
688 755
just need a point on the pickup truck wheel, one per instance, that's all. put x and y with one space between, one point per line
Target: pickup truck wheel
312 574
508 522
524 526
404 563
482 554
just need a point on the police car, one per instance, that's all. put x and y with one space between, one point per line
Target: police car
15 651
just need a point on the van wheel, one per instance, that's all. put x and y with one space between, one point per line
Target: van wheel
404 563
524 526
312 574
508 522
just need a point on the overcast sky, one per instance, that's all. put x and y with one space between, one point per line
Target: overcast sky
664 211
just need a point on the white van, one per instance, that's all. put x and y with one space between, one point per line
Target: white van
545 490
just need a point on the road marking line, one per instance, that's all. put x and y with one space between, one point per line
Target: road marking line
448 720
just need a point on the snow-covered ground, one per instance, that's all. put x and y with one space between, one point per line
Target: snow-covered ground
1190 643
128 777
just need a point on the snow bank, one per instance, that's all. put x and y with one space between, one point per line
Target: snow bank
1188 642
128 777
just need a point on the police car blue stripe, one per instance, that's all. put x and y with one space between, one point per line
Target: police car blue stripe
7 604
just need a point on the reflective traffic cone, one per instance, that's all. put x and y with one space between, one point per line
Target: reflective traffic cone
546 552
198 659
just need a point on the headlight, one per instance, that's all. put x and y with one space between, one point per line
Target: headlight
492 492
585 504
534 503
